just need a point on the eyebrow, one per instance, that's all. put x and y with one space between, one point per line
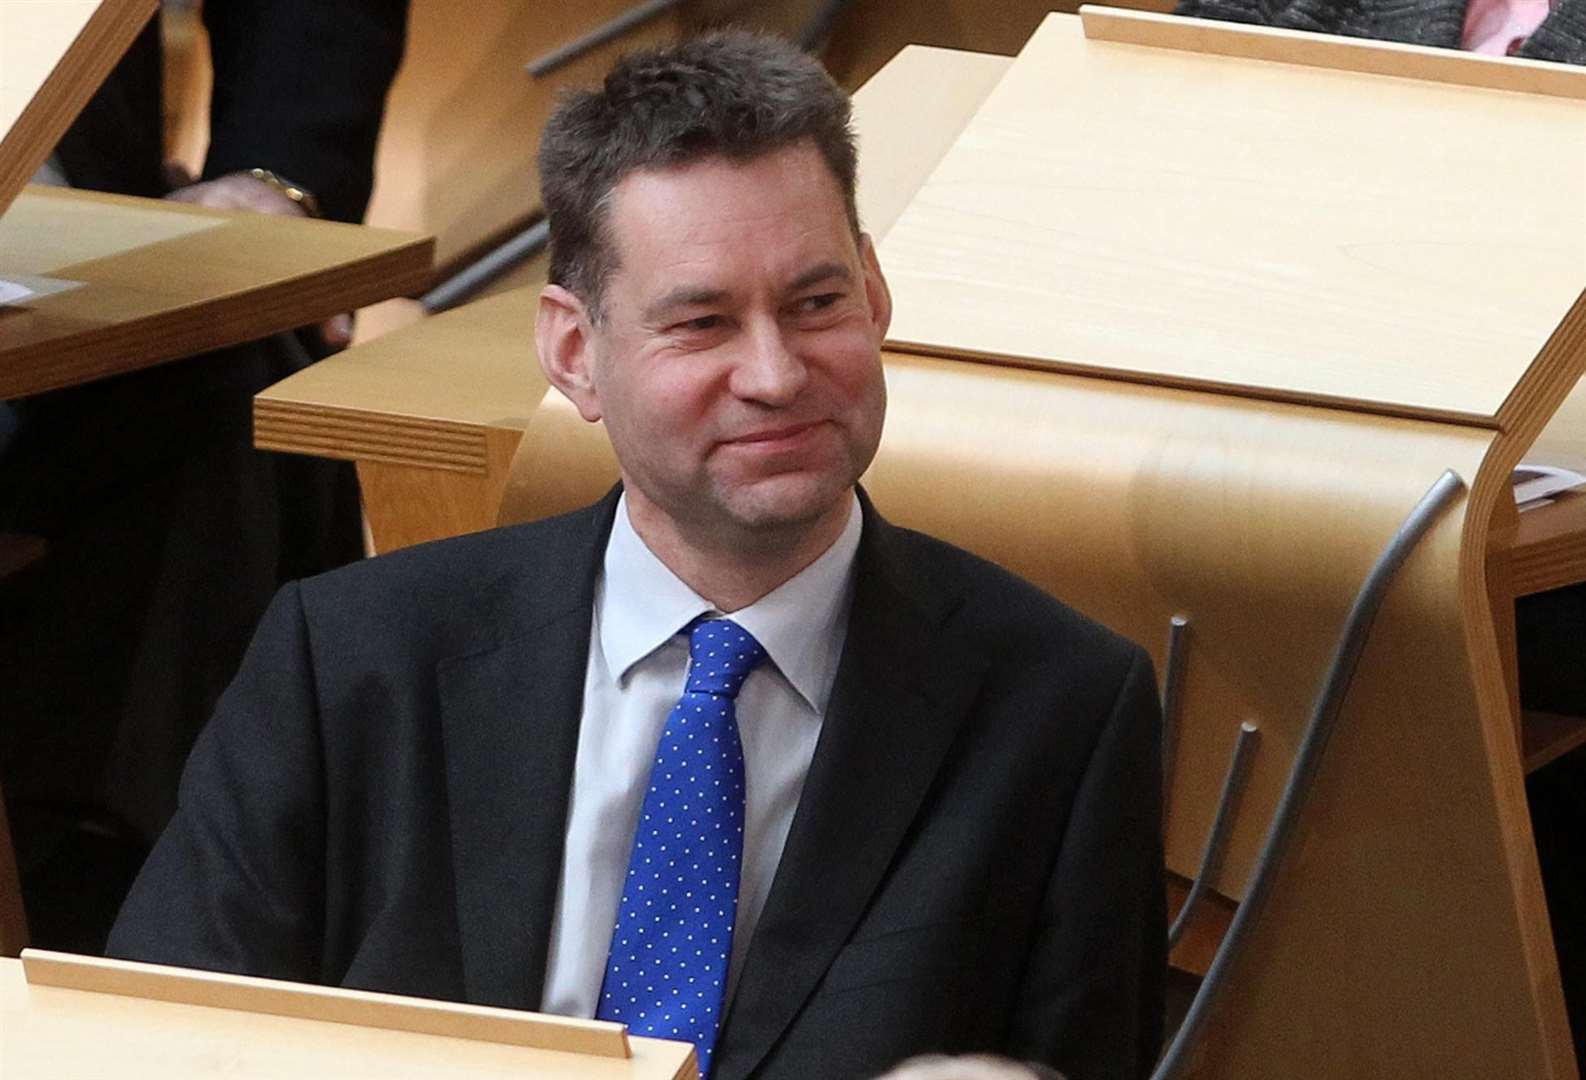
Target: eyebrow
685 296
826 271
681 297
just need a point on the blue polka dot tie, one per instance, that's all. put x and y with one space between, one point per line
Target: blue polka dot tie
667 972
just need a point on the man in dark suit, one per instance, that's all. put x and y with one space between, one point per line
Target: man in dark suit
906 802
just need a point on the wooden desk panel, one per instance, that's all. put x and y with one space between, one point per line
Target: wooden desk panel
166 280
1157 226
48 1032
431 414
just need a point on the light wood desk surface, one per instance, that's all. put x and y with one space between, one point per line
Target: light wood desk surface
1121 209
162 280
53 56
47 1033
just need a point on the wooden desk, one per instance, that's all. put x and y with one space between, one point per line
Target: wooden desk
164 280
48 1032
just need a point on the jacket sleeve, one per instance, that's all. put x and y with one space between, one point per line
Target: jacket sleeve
300 88
235 883
1092 999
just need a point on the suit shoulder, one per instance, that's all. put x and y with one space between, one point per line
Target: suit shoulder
480 584
996 601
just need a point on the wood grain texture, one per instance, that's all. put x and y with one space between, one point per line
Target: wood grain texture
412 504
1550 546
218 990
83 1016
53 56
940 90
165 280
431 413
1172 222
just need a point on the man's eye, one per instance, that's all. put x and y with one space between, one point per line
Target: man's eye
702 323
818 303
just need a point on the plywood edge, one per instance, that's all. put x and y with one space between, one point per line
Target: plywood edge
1498 726
1535 398
392 1012
1550 546
367 435
1333 52
99 46
1151 378
98 351
1548 380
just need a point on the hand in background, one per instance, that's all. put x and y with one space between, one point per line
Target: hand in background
239 191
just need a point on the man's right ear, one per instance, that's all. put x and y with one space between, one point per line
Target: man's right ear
563 334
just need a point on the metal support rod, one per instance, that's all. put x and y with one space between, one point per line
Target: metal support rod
1217 838
482 271
1307 762
1172 698
637 15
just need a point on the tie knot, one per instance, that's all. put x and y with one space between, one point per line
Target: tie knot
721 655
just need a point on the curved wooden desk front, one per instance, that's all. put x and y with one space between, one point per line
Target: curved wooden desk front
1408 936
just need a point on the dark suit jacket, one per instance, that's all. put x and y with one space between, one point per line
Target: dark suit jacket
975 863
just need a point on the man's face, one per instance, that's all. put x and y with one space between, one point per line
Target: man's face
737 366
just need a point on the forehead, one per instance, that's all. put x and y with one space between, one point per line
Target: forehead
774 212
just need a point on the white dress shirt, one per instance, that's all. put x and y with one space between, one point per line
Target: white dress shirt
637 665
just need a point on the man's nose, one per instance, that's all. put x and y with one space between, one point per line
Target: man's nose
769 370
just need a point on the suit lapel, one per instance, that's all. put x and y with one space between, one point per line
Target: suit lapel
895 708
510 716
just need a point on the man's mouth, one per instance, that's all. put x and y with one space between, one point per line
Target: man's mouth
778 438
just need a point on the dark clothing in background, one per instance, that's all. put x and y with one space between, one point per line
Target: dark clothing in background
167 532
1561 37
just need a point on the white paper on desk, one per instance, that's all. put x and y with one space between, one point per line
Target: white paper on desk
1535 484
16 288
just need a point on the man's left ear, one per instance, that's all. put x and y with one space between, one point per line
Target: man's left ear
876 290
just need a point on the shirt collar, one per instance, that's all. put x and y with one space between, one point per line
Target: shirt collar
801 623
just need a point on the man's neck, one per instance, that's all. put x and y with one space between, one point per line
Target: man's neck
734 570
